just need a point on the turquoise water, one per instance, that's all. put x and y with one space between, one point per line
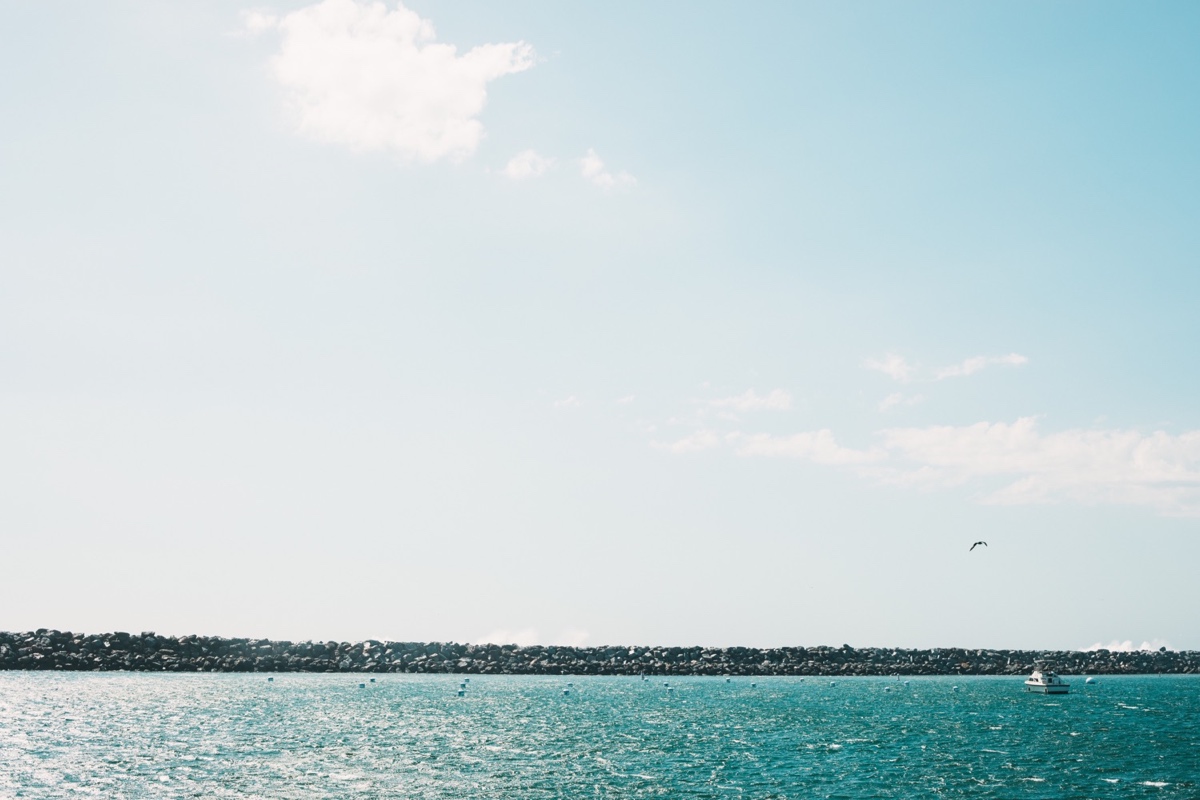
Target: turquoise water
153 735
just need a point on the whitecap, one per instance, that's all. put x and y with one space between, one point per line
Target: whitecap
1158 784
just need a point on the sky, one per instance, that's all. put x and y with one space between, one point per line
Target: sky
620 323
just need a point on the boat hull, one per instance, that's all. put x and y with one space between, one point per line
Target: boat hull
1042 688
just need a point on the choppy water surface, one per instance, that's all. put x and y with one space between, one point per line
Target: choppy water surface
301 736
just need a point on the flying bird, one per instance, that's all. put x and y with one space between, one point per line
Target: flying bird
977 545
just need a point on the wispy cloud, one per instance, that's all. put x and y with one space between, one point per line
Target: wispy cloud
1010 463
374 79
899 398
900 369
626 400
750 400
972 365
1087 466
526 164
255 23
570 401
594 171
1128 646
820 447
893 365
693 443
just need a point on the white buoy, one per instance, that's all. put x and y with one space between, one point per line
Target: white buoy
570 684
461 693
1089 679
566 691
727 680
270 680
362 686
462 685
372 680
754 686
954 688
466 680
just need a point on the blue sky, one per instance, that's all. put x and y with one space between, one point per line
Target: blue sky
677 324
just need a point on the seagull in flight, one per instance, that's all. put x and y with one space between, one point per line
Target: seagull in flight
977 545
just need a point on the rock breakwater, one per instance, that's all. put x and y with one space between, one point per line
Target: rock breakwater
62 650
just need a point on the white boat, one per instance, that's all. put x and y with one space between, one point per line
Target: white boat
1046 682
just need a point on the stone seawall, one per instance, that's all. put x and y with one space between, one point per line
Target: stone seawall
60 650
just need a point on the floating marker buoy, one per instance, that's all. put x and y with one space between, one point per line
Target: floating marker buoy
372 680
461 693
1089 679
362 686
754 686
270 680
727 680
566 691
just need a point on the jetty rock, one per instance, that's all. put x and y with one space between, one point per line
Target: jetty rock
46 649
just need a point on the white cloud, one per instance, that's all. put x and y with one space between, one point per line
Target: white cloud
592 169
255 23
1091 467
972 365
526 164
819 447
700 440
359 75
899 398
774 400
1086 466
626 400
892 365
1127 646
570 401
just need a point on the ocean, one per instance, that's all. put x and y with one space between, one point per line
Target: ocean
151 735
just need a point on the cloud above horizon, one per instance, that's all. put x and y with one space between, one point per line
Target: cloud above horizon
526 164
592 168
1009 463
750 400
899 369
972 365
1127 646
893 365
376 80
